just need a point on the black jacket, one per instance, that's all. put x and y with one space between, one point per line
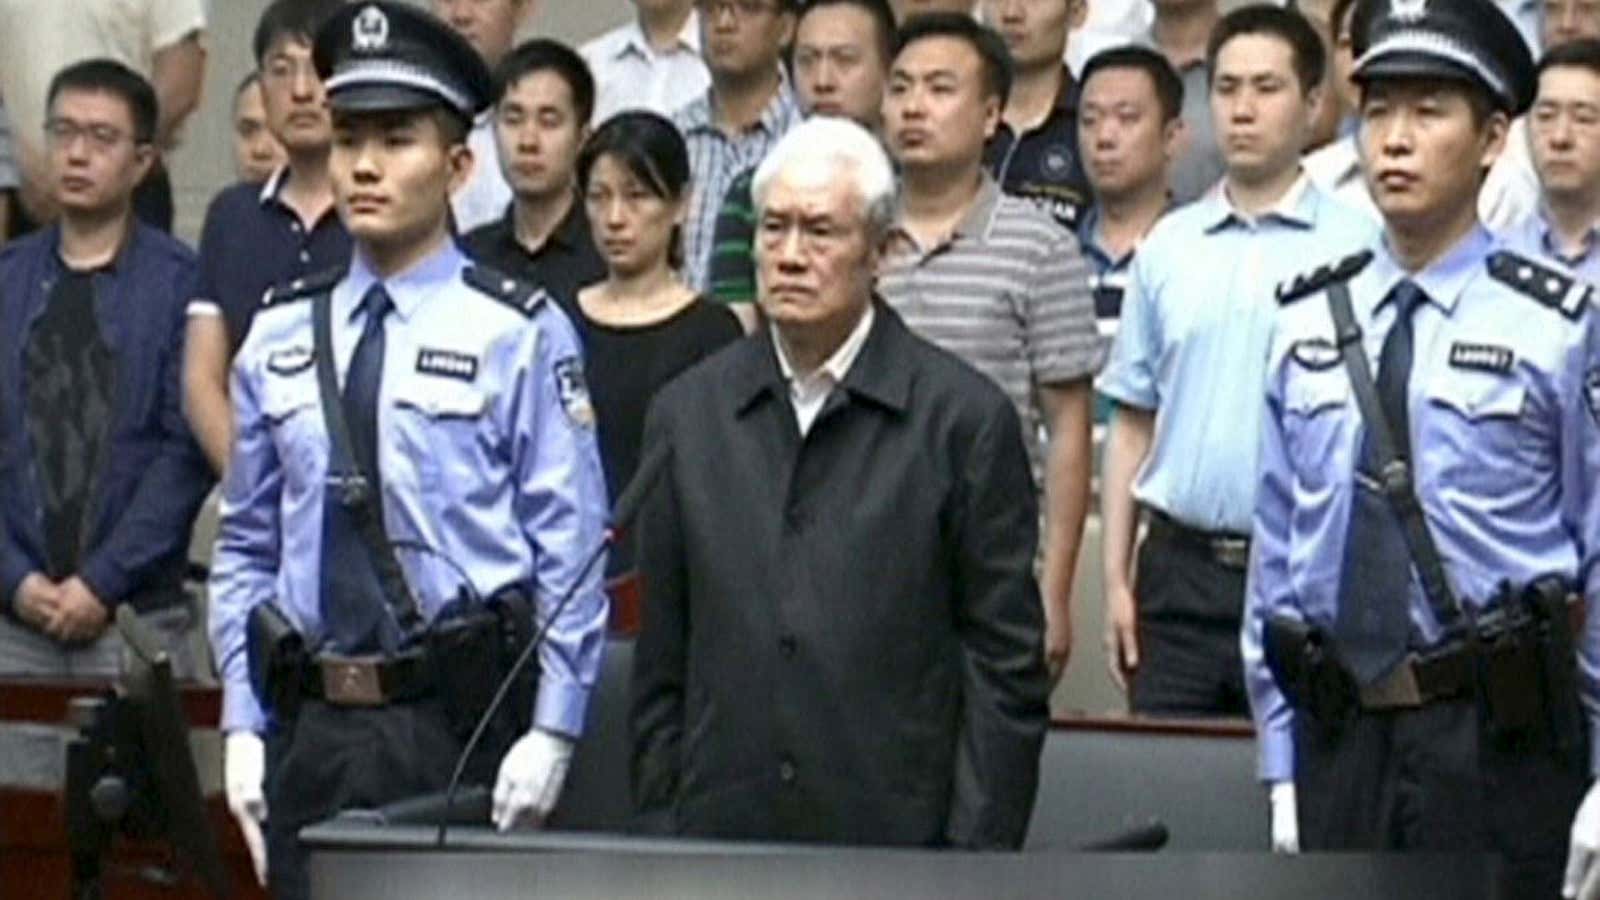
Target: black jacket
842 635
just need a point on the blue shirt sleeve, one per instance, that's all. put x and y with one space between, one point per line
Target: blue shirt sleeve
1130 372
1580 492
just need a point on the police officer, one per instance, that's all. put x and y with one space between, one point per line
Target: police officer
461 473
1427 529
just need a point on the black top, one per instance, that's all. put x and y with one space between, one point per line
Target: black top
625 368
70 378
1043 165
566 263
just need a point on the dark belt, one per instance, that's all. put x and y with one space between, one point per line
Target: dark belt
1221 547
1421 679
369 680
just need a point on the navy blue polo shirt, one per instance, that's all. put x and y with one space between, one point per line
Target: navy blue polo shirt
1043 164
252 241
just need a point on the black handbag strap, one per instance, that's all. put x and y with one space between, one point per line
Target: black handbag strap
1394 470
359 492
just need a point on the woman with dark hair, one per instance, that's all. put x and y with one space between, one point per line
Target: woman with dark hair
643 324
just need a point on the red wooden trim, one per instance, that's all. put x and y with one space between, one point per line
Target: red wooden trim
47 701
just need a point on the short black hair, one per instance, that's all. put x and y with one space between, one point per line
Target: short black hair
111 77
1309 57
1580 54
653 150
545 55
1168 85
298 19
984 41
881 13
250 78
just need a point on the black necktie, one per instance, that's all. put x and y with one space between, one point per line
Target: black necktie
1375 584
355 615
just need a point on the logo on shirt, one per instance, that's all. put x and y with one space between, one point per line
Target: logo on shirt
449 363
1058 160
289 360
1482 357
1315 353
574 392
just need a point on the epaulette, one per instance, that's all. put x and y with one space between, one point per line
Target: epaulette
1557 290
303 287
515 293
1313 282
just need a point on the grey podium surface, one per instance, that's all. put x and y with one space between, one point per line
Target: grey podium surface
353 861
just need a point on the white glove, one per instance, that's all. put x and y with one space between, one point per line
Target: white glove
1285 818
244 767
1583 855
530 779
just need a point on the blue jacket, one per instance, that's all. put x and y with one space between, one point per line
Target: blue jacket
145 498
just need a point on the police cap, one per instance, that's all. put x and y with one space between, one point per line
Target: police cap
1467 40
375 56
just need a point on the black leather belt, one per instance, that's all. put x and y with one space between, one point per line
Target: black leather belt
1224 548
369 680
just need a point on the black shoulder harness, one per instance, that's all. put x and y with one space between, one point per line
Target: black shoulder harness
513 292
301 288
1313 282
1557 290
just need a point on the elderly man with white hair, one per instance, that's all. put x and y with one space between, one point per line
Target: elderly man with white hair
842 635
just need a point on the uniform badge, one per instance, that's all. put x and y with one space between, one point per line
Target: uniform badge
1482 357
369 31
1316 353
1409 10
289 360
1058 160
448 363
1591 393
574 392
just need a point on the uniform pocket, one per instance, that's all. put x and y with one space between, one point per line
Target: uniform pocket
441 427
292 407
1478 430
1316 419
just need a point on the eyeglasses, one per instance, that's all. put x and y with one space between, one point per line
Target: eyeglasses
739 9
102 138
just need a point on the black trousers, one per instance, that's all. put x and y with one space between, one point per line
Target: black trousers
1431 779
1190 607
331 759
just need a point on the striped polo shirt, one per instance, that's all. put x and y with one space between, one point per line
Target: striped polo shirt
1008 292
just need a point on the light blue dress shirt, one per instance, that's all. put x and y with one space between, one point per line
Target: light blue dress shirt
1193 337
1504 398
1533 237
487 454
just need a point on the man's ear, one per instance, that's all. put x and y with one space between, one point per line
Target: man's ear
461 162
1495 129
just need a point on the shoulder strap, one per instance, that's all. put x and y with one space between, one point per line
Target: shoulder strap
1394 471
360 494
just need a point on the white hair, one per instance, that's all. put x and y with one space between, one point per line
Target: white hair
849 150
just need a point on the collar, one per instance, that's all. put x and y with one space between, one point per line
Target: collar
1089 239
1545 233
700 115
877 373
1297 206
1065 105
118 260
634 42
569 233
975 224
273 184
408 289
1445 278
836 366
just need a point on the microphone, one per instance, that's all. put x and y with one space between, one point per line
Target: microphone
628 506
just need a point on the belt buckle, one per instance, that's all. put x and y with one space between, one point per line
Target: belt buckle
1397 689
351 682
1231 552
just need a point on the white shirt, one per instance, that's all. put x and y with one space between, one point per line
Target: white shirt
809 391
486 195
1110 23
1336 169
630 74
1511 192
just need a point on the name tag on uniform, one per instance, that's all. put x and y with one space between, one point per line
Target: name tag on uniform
1316 353
1482 357
450 364
289 360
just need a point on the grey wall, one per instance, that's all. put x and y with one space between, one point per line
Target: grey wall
204 163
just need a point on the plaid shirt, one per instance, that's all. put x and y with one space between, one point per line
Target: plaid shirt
715 160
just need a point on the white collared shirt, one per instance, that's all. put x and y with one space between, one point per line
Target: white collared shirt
631 74
485 196
809 391
1336 169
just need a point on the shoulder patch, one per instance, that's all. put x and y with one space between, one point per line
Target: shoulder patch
513 292
301 288
1315 281
1557 290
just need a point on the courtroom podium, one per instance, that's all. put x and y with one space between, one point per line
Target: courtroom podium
35 854
354 859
